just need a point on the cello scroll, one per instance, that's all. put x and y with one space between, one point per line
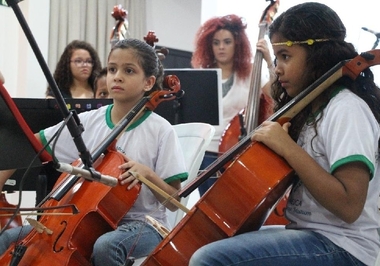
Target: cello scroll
120 31
151 39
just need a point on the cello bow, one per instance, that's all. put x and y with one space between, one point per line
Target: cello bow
350 68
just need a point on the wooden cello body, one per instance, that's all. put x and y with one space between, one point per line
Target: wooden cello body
5 220
69 239
239 201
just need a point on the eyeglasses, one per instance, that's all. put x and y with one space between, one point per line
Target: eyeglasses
81 62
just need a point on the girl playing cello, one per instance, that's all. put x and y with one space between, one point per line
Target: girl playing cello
134 70
333 147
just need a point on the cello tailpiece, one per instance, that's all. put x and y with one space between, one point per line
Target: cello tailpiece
18 253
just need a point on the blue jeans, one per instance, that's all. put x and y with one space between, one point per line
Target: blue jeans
133 239
208 159
274 246
10 236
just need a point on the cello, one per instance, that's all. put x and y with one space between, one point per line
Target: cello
258 109
67 235
244 195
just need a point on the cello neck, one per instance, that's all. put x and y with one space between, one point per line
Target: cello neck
251 118
253 105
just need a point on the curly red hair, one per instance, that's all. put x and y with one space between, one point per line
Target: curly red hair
203 56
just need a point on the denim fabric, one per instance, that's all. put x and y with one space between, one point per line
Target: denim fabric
10 236
274 247
133 239
208 159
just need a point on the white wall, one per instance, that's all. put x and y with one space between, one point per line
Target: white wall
175 22
23 76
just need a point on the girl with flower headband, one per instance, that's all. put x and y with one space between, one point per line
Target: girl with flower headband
332 145
221 42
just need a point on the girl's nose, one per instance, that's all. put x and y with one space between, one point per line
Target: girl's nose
117 77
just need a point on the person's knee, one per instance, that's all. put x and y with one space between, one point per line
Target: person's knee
6 240
101 245
197 258
10 236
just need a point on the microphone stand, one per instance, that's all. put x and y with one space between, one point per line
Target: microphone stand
73 123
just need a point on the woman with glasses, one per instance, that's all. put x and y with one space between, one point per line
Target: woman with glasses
76 71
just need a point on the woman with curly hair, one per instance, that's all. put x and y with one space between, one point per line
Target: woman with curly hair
221 42
76 71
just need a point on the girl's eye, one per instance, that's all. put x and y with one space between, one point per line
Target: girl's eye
111 70
129 71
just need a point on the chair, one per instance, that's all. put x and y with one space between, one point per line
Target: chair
194 139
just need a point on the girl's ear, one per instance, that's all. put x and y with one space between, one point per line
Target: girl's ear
149 83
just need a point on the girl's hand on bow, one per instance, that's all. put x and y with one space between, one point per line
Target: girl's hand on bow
132 166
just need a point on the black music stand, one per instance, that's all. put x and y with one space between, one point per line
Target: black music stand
18 144
16 150
202 101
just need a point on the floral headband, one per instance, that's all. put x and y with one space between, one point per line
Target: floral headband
308 42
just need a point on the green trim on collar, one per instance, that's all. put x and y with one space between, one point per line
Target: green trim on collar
336 91
111 125
313 116
108 116
354 158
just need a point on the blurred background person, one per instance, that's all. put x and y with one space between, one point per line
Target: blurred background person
100 85
222 42
76 70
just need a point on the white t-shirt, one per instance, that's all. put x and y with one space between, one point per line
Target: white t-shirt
151 141
347 132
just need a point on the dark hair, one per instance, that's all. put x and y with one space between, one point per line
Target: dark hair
62 74
203 55
102 73
318 21
147 58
